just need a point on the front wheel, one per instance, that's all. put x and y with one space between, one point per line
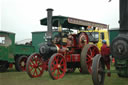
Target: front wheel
57 66
34 65
98 67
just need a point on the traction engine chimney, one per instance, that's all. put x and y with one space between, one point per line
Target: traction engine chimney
49 25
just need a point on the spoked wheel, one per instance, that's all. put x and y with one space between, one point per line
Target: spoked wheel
22 63
82 40
57 66
98 67
87 55
34 65
71 70
3 66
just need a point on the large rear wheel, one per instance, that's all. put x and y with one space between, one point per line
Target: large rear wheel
57 66
98 73
34 65
88 53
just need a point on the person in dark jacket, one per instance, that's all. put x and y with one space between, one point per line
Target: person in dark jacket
105 52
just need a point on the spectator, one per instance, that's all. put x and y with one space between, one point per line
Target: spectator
105 52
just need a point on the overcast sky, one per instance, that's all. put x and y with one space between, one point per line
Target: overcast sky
23 16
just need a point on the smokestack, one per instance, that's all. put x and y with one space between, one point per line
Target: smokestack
49 25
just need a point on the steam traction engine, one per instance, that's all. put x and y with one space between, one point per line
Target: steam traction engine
64 52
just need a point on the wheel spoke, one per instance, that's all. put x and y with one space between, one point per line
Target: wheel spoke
62 64
53 68
89 61
61 61
62 69
30 69
58 72
56 59
53 63
89 66
53 72
89 56
94 49
31 61
91 52
36 60
40 64
39 69
36 72
39 60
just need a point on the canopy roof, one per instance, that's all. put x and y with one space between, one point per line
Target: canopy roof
68 22
6 32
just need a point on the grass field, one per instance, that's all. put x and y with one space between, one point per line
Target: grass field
21 78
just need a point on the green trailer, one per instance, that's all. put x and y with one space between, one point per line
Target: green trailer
21 53
10 53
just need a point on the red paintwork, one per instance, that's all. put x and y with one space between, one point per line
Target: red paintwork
67 53
73 44
73 58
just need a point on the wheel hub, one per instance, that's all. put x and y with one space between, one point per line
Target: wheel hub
58 66
119 47
35 66
22 63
